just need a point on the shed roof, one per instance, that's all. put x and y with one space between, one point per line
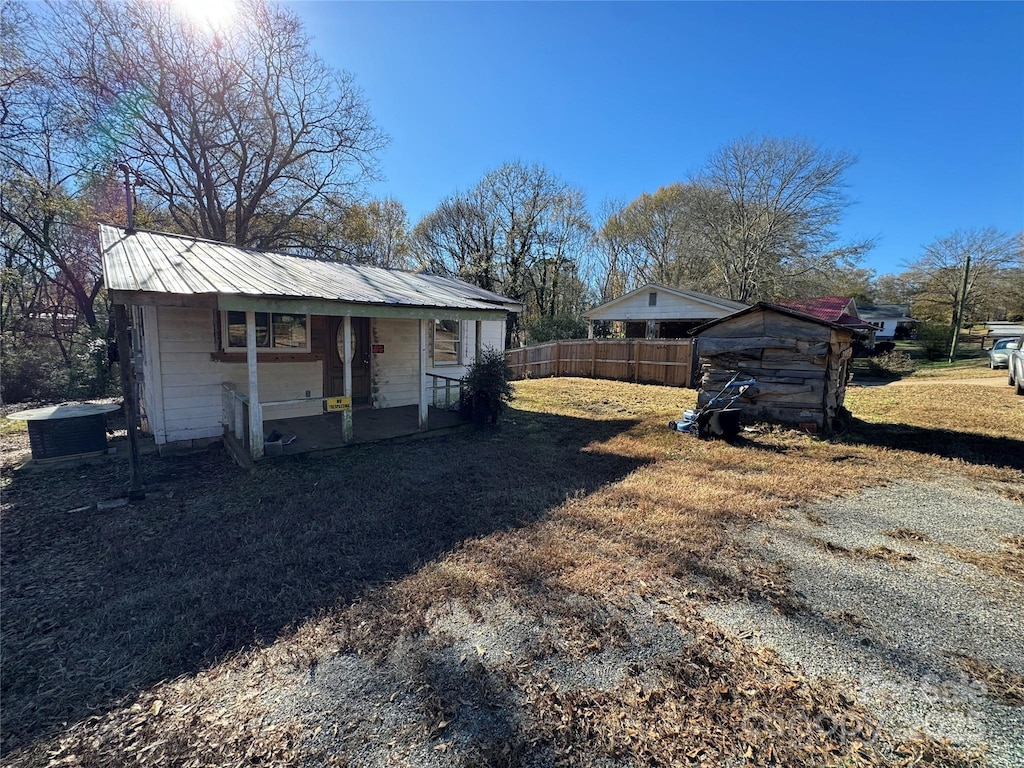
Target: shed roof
145 263
762 305
828 308
704 298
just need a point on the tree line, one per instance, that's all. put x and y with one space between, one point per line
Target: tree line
244 135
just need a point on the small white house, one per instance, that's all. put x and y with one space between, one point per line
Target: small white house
659 312
889 319
227 340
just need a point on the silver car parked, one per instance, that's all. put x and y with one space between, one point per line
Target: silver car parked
1015 364
1000 352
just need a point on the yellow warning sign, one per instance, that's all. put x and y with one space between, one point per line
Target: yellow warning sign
335 404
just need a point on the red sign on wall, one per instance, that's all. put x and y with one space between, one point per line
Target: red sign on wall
378 349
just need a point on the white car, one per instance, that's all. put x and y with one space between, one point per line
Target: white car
1015 366
1000 352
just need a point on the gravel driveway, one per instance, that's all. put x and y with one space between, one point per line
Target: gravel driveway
902 616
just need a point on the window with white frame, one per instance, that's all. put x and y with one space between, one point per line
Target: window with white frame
284 331
447 342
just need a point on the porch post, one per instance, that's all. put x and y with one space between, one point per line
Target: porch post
255 409
346 415
590 329
479 340
424 390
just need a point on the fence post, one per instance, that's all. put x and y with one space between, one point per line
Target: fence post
593 357
558 358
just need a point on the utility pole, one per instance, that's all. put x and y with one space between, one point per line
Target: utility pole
958 315
131 410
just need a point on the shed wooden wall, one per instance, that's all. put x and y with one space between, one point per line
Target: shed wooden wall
801 366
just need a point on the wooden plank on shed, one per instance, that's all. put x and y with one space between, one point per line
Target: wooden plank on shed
750 324
778 324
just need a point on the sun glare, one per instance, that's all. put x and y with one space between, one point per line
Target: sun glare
215 15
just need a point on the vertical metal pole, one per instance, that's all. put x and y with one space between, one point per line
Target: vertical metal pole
255 409
131 411
346 344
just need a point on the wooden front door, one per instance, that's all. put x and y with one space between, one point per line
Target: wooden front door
334 366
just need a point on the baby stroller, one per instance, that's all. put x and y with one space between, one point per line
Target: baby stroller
718 418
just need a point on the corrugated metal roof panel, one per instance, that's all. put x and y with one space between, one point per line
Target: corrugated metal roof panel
162 263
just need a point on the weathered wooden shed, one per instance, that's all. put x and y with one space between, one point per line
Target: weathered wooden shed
801 363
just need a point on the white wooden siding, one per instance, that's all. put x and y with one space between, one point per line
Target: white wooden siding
190 382
669 307
395 371
187 403
152 384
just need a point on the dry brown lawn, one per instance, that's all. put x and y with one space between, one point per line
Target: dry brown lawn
170 631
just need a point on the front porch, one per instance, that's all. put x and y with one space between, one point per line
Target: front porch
436 413
326 431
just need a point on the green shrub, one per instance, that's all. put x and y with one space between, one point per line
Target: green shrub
555 328
31 371
934 339
92 374
486 387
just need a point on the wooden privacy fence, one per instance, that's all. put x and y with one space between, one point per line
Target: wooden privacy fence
647 361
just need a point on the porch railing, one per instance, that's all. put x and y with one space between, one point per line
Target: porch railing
445 391
235 414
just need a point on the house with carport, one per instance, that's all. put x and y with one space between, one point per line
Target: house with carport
235 343
655 311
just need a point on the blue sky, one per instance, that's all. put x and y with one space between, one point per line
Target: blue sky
621 98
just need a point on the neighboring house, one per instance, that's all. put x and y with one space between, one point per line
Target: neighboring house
227 338
839 310
659 312
1001 329
801 363
892 321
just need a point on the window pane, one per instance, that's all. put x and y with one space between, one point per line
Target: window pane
290 331
236 329
446 342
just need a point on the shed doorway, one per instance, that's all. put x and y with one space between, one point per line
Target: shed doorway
334 365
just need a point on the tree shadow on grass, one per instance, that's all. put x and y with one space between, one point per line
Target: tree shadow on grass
970 447
98 605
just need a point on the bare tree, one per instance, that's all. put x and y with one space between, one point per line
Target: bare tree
459 238
239 135
657 239
520 231
963 275
376 233
48 196
768 210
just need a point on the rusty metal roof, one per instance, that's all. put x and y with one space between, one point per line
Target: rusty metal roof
155 262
